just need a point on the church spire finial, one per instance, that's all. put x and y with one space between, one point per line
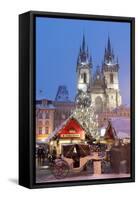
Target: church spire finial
80 49
83 43
109 45
109 53
105 54
117 60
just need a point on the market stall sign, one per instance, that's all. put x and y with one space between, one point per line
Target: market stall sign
72 129
70 135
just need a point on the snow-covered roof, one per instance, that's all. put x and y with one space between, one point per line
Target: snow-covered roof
45 106
60 127
121 126
57 129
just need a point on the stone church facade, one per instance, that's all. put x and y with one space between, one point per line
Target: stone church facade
103 83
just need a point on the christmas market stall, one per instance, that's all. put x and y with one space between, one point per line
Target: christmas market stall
117 129
69 132
117 138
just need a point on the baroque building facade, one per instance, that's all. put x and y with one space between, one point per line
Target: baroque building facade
103 84
50 114
45 112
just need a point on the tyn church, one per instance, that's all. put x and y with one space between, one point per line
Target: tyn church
103 84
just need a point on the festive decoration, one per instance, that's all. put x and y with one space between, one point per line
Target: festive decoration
85 114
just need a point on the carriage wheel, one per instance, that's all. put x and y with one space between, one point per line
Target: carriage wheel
60 169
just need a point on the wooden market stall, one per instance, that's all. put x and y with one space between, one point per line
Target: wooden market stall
70 132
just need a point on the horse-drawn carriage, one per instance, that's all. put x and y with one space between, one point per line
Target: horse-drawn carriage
75 158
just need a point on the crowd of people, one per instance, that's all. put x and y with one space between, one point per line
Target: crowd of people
43 154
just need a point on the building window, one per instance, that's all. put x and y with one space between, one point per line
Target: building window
40 115
47 115
39 123
63 116
46 130
47 123
111 78
40 130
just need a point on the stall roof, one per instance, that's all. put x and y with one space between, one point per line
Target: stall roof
121 126
60 127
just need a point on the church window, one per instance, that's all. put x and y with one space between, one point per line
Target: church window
99 104
111 78
84 78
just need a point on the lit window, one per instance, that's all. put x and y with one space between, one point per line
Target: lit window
40 130
46 130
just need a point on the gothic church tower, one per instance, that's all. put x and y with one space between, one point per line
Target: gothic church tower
84 65
110 69
102 85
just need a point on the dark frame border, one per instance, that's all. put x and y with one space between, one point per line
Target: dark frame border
27 171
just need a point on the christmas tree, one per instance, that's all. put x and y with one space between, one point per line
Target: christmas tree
85 114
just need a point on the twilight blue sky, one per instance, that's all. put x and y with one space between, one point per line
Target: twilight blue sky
57 46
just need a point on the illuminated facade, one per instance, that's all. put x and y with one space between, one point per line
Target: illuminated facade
103 84
51 114
44 119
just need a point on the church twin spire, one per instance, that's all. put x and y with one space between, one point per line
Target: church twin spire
84 56
109 61
109 57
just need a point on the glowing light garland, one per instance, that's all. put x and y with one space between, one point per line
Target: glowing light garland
86 115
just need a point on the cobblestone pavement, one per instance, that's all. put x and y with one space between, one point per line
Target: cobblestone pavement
43 174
